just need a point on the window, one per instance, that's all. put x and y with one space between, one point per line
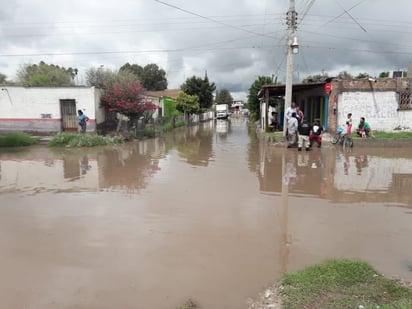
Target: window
405 100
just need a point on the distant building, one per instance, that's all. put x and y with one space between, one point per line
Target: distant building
386 103
48 109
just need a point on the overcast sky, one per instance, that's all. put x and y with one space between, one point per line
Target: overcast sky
235 41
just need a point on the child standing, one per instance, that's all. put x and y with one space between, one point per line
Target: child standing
349 124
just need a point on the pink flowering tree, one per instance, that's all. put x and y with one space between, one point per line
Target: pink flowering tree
128 99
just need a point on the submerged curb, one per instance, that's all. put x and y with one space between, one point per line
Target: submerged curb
358 142
382 142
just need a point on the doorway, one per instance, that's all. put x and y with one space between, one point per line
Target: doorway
69 116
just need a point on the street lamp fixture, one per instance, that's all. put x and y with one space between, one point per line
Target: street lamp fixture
295 46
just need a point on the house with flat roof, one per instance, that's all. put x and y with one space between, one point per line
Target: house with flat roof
386 103
47 110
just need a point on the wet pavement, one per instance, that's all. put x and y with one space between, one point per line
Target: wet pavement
207 214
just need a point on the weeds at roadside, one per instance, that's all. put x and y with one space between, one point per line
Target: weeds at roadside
273 137
17 139
342 284
84 140
393 135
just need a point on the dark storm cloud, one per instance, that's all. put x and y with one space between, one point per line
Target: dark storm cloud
234 41
371 37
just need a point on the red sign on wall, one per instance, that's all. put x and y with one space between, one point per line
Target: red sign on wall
328 87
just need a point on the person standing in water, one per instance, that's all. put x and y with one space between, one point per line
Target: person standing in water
82 118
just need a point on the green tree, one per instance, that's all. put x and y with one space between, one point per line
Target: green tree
151 76
384 74
201 88
127 99
44 74
187 104
100 77
345 75
223 97
133 68
362 75
315 78
3 79
253 99
106 78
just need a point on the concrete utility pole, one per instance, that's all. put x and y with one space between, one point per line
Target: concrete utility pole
291 21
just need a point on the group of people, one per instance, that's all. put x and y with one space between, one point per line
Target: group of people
363 129
304 134
300 130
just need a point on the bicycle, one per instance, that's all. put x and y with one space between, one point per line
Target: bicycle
342 138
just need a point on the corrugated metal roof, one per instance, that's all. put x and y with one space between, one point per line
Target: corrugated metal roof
279 90
171 93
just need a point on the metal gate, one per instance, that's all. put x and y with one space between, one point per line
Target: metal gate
69 116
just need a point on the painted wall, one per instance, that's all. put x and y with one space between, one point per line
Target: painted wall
380 108
37 109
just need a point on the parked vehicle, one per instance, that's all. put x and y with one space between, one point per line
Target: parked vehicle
342 138
222 111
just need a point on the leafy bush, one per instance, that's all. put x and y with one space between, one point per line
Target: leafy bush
17 139
84 140
169 124
145 133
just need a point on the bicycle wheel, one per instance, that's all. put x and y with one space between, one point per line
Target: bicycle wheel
335 138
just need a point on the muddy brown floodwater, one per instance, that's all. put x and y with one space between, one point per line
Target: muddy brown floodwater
207 214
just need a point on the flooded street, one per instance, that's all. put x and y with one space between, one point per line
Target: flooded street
206 213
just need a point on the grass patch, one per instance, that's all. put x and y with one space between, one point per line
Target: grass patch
342 284
389 135
17 139
273 136
84 140
145 133
168 125
393 134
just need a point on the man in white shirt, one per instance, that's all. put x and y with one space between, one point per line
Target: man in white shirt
292 130
291 109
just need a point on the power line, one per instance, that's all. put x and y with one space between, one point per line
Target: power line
350 15
340 15
354 39
207 18
306 10
129 51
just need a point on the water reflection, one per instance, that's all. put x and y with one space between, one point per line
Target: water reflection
358 175
129 167
330 173
232 213
84 165
195 144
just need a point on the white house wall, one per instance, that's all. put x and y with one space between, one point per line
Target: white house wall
380 110
100 113
38 108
